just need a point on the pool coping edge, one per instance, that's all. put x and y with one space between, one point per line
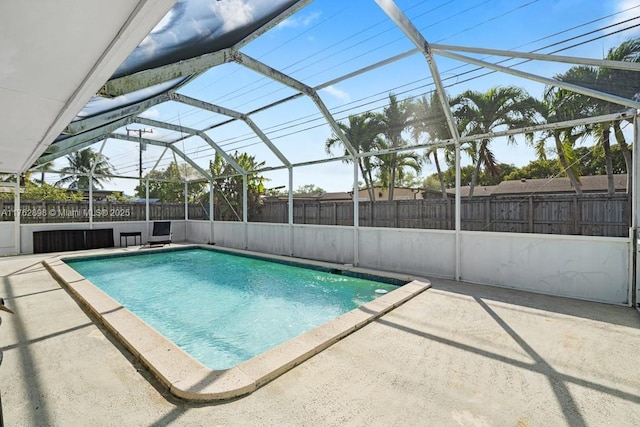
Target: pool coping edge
187 378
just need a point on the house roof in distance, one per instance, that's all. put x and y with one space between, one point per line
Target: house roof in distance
590 184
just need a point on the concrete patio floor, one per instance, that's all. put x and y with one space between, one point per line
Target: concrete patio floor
455 355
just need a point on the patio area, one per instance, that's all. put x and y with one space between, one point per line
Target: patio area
457 354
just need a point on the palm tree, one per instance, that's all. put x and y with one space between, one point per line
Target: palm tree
44 168
386 163
585 106
228 192
428 119
626 84
363 132
560 105
80 164
623 83
482 113
395 119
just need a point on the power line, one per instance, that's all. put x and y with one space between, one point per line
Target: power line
460 74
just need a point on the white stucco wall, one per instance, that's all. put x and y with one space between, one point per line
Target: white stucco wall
229 234
592 268
7 242
419 252
324 243
198 231
269 238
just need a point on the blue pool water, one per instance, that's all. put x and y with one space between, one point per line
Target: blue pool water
222 308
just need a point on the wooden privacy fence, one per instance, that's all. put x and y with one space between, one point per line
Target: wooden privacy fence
588 215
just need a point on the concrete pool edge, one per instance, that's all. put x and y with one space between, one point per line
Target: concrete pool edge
189 379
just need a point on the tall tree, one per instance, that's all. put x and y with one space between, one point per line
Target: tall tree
626 84
395 119
75 176
363 132
428 120
399 162
561 105
622 83
482 113
47 167
228 189
168 185
309 189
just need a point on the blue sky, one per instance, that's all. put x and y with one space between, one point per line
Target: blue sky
330 38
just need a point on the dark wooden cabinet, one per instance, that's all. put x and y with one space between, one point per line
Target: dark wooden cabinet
71 240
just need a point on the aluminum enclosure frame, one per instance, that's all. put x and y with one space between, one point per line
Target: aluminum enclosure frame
86 132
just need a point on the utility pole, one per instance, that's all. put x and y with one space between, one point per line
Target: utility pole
143 147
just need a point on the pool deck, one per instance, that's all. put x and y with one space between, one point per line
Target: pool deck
189 379
457 354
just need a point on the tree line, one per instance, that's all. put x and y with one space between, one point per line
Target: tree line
421 121
481 113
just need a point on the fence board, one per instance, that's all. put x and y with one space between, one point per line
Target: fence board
588 214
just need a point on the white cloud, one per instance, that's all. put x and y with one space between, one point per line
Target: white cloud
626 9
233 13
625 5
296 21
338 93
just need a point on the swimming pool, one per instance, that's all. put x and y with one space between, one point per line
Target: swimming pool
188 378
224 308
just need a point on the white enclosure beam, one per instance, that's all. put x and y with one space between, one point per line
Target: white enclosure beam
575 60
407 27
278 76
146 78
273 22
211 212
135 139
551 82
165 125
245 210
635 283
267 141
146 203
458 210
159 159
236 115
356 216
187 67
178 97
17 213
400 19
290 210
367 68
163 144
191 162
80 141
186 201
99 120
194 132
220 151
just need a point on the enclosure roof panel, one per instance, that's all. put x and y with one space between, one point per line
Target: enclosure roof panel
56 55
196 27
